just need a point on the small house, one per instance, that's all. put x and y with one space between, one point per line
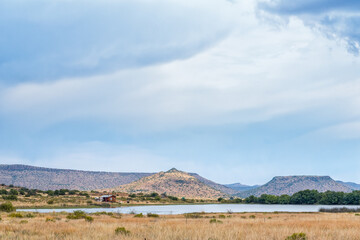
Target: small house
108 198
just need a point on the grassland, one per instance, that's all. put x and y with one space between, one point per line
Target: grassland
250 226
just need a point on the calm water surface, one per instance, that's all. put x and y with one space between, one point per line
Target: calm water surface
208 208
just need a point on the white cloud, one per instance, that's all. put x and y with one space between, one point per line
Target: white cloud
256 74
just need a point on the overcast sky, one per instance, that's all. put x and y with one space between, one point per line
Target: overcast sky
237 91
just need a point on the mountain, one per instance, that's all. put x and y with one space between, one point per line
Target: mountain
292 184
238 187
352 185
173 183
52 179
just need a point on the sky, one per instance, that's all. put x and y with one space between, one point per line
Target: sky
237 91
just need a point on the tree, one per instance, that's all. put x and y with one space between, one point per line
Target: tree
7 207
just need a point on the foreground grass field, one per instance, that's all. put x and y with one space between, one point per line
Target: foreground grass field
252 226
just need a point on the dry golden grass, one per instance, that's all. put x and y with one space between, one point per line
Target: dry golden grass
317 226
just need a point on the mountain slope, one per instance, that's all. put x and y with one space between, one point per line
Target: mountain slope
238 187
172 182
292 184
352 185
220 187
50 178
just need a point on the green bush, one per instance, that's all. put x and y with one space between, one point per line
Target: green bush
215 221
7 207
222 216
122 231
153 215
13 192
252 216
76 215
193 215
51 201
15 215
23 221
29 215
297 236
140 215
10 197
89 219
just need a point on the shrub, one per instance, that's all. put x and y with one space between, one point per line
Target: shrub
192 215
3 192
29 215
215 221
10 197
7 207
252 216
339 210
89 219
49 220
51 201
23 221
297 236
222 216
15 215
173 198
153 215
76 215
140 215
122 230
13 192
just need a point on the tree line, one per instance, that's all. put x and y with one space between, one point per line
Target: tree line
309 197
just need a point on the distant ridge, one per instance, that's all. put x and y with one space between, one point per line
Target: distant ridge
173 182
291 184
352 185
52 179
240 187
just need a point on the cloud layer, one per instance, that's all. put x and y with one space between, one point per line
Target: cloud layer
336 19
47 40
203 87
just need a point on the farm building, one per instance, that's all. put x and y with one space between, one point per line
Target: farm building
108 198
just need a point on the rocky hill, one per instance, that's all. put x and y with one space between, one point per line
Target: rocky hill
52 179
238 187
292 184
174 183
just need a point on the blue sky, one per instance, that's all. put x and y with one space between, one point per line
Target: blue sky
237 91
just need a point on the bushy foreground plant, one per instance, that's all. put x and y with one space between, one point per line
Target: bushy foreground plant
215 221
297 236
7 207
80 215
122 231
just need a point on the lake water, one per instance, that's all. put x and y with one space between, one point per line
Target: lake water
208 208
